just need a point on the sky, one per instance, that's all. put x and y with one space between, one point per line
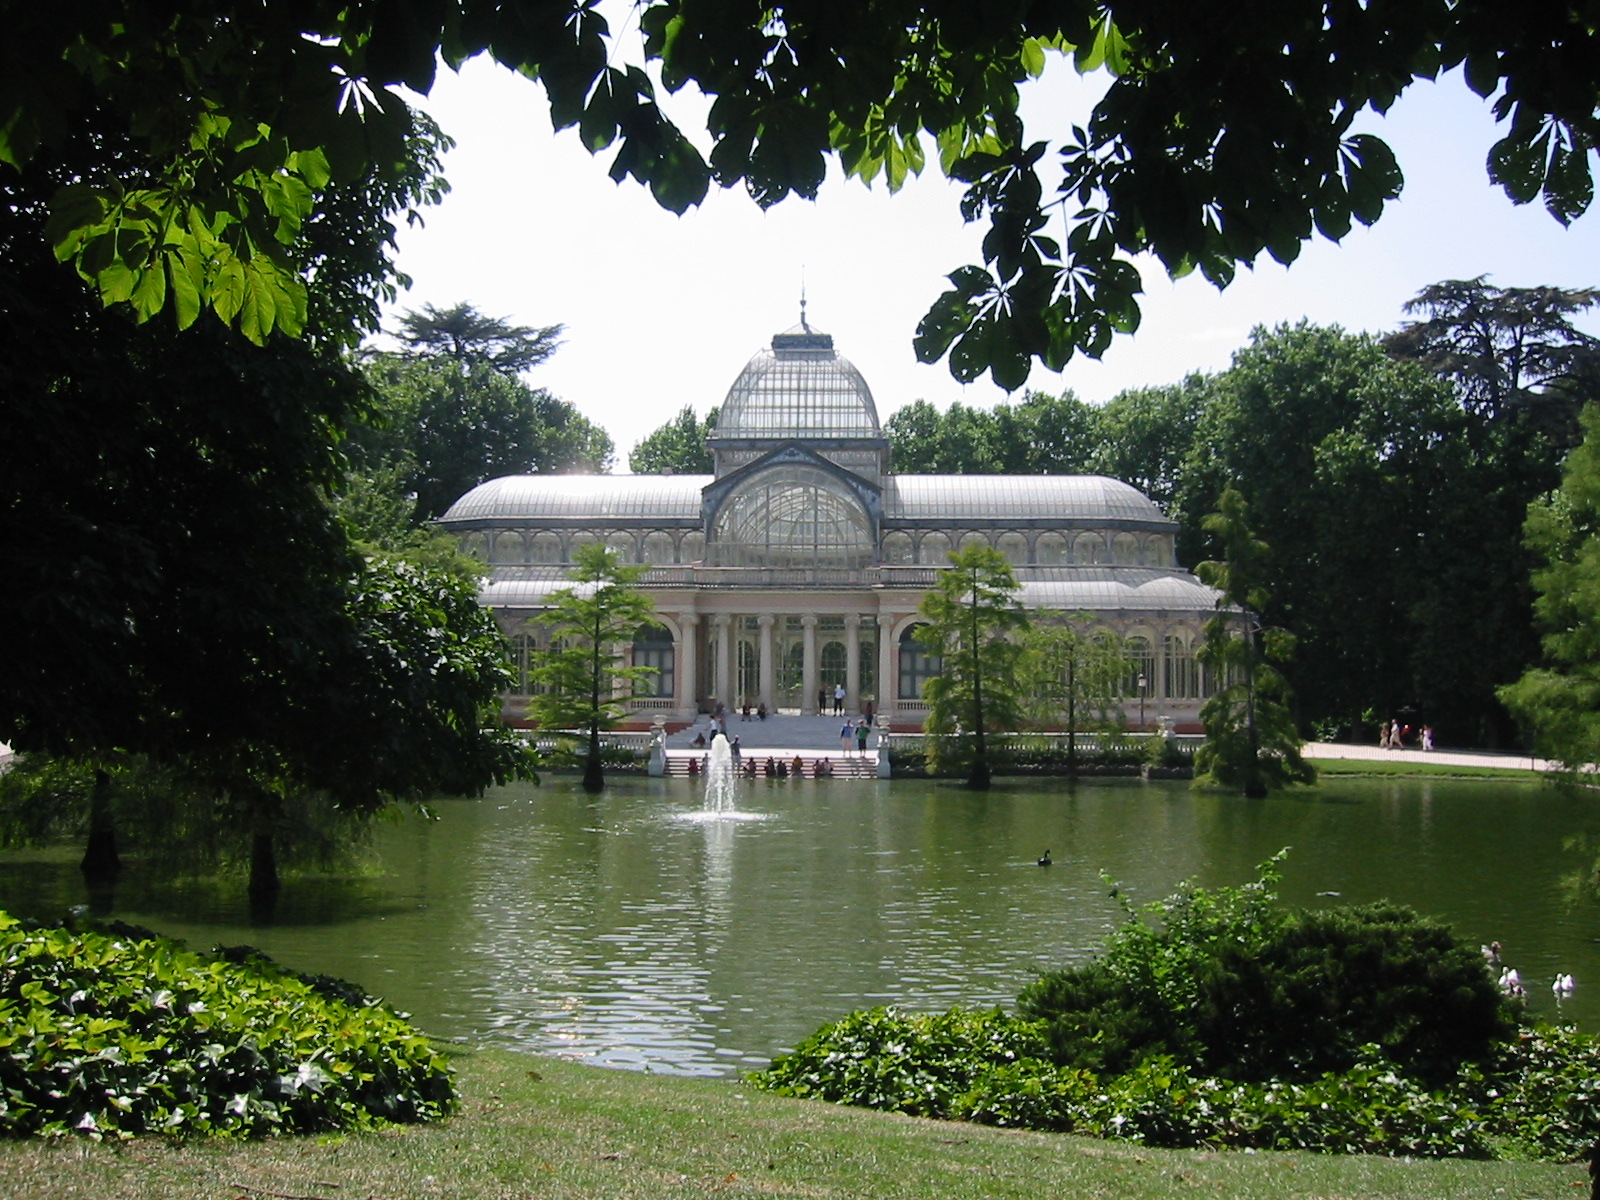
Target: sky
663 311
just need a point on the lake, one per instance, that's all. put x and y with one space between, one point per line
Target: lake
624 930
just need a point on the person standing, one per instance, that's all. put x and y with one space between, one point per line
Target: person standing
861 738
838 699
846 737
734 752
822 700
869 710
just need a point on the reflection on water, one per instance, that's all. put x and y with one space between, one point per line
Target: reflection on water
621 930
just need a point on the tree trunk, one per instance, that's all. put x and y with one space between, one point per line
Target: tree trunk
101 862
264 881
594 778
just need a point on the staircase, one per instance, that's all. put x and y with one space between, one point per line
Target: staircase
855 766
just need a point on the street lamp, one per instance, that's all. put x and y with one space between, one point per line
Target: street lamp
1142 684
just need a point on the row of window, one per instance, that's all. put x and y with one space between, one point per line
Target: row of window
817 540
1174 674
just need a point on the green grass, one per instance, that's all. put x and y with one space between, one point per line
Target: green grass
1345 767
538 1128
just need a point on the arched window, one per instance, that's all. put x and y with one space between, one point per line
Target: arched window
657 548
522 647
973 538
1125 550
1088 548
834 660
508 547
693 547
1015 547
477 545
578 540
1141 667
545 548
792 516
897 548
934 550
749 684
1157 551
1183 673
917 666
653 648
1050 550
621 544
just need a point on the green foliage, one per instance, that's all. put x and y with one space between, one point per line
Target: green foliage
465 335
112 1036
1560 701
1251 744
1041 435
971 619
577 682
917 1064
444 426
676 448
1221 1020
1230 984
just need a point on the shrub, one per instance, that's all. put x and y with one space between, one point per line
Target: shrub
883 1058
1227 983
113 1036
1542 1095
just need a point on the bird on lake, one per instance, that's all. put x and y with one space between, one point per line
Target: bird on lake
1045 860
1562 986
1491 953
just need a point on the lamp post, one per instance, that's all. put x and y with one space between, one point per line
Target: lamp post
1142 684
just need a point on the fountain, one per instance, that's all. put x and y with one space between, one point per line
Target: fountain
722 780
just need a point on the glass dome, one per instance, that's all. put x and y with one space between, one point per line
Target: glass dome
791 516
799 389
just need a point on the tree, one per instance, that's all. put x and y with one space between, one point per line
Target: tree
1507 350
1559 701
1042 435
1143 436
972 622
1381 499
464 335
676 448
1251 742
450 427
1070 671
578 681
1214 144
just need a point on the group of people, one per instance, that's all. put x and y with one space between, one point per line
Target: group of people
821 768
854 735
1393 736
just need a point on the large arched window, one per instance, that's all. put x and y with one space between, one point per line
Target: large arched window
792 516
1015 547
917 666
1141 679
897 548
1051 549
653 648
1183 673
934 551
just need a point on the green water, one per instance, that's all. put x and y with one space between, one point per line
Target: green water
622 930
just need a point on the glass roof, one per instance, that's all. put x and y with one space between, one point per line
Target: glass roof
800 388
1079 499
1121 589
582 498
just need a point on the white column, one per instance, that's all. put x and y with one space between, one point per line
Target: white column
888 685
765 622
808 683
687 660
852 662
723 624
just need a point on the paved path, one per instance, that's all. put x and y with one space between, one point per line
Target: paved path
1452 758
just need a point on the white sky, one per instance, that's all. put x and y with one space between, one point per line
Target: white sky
663 311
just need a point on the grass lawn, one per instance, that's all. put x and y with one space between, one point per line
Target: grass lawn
539 1128
1344 767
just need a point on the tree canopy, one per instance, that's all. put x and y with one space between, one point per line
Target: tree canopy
1216 142
471 339
676 448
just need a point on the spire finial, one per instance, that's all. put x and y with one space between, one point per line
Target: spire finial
803 324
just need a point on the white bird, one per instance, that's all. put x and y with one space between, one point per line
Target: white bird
1562 986
1491 953
1511 982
